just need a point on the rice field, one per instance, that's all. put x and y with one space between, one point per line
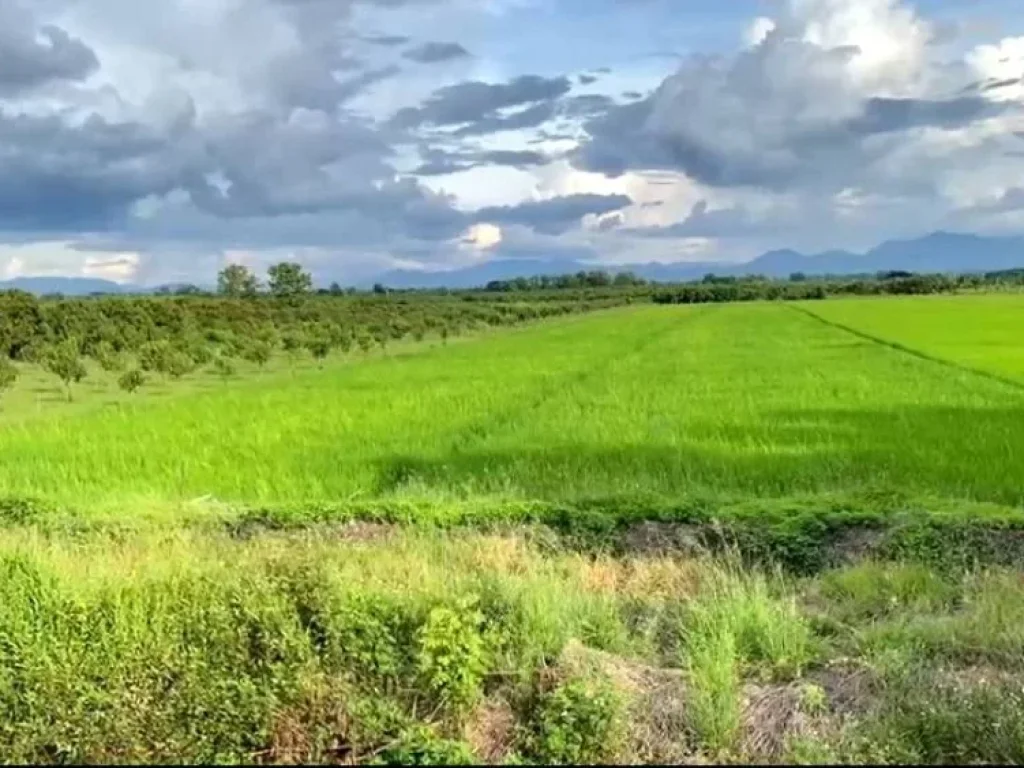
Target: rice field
915 396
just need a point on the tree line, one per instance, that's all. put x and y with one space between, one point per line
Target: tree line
800 287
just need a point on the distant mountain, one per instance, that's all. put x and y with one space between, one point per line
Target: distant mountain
937 252
69 286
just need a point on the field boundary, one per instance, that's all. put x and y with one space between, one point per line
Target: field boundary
801 534
898 347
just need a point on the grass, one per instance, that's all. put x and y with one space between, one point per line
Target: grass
756 401
358 643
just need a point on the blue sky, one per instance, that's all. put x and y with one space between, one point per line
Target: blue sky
156 142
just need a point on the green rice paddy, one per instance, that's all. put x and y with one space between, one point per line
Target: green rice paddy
919 396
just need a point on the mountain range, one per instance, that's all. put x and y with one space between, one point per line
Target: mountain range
937 252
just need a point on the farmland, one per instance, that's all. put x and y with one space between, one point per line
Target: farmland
757 531
734 401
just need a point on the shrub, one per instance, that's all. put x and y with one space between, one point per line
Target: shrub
132 380
178 364
420 745
8 375
258 352
224 367
579 722
107 357
452 657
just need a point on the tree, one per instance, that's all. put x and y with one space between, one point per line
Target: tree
64 361
258 352
224 367
237 282
293 343
107 357
132 380
289 281
8 375
178 364
320 348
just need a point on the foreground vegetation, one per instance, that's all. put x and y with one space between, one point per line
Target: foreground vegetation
365 643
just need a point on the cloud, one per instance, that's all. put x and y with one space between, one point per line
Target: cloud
478 102
431 53
828 101
34 54
556 215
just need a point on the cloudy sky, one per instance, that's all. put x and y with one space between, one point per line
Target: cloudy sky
157 141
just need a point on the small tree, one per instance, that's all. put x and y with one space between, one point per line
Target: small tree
289 281
8 375
293 344
224 367
131 381
153 356
107 357
237 282
258 352
64 361
178 364
320 348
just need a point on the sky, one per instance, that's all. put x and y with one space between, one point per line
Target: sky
158 142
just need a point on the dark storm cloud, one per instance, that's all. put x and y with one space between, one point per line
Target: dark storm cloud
554 216
33 54
476 102
438 162
432 53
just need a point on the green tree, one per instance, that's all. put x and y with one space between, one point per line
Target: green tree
65 362
237 282
178 364
132 380
107 357
288 280
8 375
320 348
258 352
224 367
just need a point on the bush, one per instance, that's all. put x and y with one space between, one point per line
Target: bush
131 381
8 375
107 357
224 367
452 657
579 722
258 352
420 745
